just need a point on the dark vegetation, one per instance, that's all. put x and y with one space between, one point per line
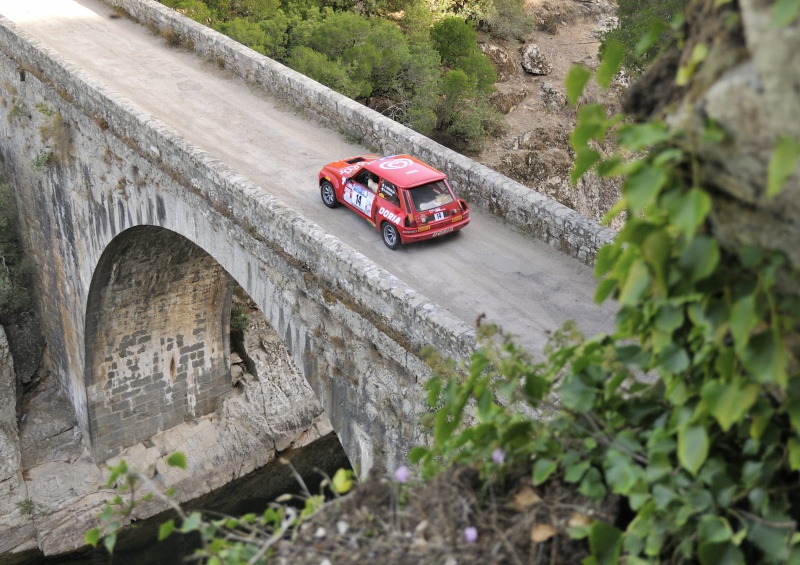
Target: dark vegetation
16 270
418 66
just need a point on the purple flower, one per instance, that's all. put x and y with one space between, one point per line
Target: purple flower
401 474
471 534
498 456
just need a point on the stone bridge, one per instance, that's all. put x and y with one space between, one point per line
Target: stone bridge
138 238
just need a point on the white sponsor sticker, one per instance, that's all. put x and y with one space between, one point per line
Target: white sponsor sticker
395 164
392 217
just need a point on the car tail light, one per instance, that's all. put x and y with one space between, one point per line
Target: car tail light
410 221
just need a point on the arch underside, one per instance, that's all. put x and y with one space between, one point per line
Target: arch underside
157 338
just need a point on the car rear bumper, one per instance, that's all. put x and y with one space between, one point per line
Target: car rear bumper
433 232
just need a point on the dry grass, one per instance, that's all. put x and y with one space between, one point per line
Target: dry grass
384 522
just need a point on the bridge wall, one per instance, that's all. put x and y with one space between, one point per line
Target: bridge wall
527 209
87 167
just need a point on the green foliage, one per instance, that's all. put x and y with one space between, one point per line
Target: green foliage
506 19
690 410
225 539
383 54
454 39
240 320
645 30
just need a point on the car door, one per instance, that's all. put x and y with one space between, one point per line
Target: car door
388 204
359 196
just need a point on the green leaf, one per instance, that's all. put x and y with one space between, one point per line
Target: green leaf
434 387
605 542
729 402
604 289
177 459
785 157
700 258
649 39
689 211
641 136
110 541
592 124
576 80
606 258
635 284
693 447
191 523
720 554
784 12
643 186
342 481
699 53
577 395
793 446
743 320
765 358
542 470
612 60
656 251
584 159
92 537
166 529
592 485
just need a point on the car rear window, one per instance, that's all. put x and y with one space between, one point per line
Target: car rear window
431 195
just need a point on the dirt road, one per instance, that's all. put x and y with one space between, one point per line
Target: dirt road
516 281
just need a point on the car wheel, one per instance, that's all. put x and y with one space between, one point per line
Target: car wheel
390 235
328 194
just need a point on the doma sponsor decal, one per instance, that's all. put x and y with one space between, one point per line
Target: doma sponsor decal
392 217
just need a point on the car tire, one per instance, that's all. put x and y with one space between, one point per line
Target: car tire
391 237
328 194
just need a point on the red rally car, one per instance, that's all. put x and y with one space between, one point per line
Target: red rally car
403 197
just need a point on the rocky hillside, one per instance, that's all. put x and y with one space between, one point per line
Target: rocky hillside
535 148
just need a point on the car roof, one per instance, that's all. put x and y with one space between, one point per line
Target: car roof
404 171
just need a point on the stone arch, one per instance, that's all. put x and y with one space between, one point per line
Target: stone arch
157 349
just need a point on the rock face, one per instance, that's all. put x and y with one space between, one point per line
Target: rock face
534 61
507 97
748 84
16 526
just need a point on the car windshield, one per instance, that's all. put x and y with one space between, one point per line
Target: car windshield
431 195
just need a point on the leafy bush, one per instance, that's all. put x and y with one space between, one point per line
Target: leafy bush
454 39
507 19
690 411
393 65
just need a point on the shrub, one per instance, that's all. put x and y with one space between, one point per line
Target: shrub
454 39
507 19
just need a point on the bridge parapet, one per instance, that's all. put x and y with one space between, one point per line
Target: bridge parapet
531 211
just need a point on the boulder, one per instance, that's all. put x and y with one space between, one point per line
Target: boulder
507 97
534 61
504 64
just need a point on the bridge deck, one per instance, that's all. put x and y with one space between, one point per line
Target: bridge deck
521 283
